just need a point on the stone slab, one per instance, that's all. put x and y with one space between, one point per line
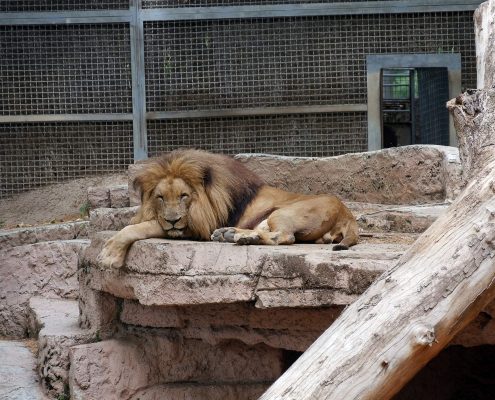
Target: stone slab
249 391
55 323
401 218
121 368
110 219
98 196
18 380
44 233
402 175
119 196
167 272
47 268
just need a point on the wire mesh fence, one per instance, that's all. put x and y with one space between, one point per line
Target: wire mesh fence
198 65
216 64
312 135
37 154
61 5
65 69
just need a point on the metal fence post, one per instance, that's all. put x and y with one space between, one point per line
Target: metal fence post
138 82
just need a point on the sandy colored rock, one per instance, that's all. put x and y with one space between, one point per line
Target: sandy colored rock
104 219
98 197
408 219
55 323
47 268
44 233
97 310
166 272
249 391
119 196
401 175
120 368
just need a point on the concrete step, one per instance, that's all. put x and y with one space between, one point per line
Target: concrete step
18 379
42 269
55 323
110 219
396 218
167 272
44 233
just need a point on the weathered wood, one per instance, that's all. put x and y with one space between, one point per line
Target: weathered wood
412 312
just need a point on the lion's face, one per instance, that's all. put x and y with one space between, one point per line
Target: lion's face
172 198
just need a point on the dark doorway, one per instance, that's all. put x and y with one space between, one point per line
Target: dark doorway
413 107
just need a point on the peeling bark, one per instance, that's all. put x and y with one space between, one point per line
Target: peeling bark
415 309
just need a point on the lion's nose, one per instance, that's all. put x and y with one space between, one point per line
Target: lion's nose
173 220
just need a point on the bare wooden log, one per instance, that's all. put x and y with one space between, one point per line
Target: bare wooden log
412 312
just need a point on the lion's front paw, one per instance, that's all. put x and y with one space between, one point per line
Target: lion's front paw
223 235
112 255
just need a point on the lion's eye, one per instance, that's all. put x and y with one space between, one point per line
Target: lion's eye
159 197
184 196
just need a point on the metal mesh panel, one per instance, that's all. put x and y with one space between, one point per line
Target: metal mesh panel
213 3
58 69
237 63
433 87
59 5
291 135
32 155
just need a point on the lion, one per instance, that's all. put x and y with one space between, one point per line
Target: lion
193 194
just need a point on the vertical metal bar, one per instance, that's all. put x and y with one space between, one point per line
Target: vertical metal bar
138 82
412 108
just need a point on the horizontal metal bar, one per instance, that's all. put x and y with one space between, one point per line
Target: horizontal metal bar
395 111
240 112
318 9
65 17
64 118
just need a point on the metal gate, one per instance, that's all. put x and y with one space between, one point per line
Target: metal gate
88 86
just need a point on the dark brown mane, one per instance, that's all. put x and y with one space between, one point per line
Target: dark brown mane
224 186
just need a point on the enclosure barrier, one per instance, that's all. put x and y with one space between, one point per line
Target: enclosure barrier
89 86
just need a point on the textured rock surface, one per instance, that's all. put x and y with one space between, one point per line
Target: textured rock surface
409 219
18 380
98 196
164 272
48 269
291 329
120 368
44 233
401 175
97 310
119 196
55 323
484 20
104 219
248 391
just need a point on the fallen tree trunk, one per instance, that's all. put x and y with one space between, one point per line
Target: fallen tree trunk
413 311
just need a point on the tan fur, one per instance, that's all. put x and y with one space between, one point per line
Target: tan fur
193 194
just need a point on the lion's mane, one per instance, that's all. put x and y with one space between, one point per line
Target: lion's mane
223 186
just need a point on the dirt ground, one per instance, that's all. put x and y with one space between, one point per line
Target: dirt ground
51 204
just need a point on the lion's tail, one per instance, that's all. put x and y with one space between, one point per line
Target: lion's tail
350 236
